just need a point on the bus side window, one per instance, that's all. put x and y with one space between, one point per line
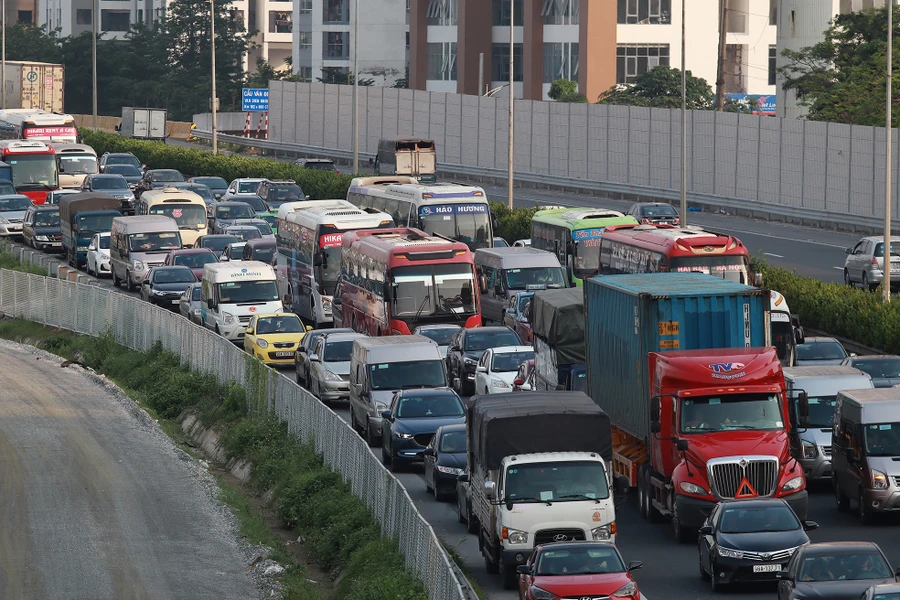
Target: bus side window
405 211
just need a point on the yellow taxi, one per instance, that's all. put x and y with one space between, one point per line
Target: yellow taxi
274 338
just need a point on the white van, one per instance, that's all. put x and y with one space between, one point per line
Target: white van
233 293
137 244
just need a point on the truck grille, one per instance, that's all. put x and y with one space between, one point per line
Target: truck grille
245 320
826 450
423 439
548 536
743 477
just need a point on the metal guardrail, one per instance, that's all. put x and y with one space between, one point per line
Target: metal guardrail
622 191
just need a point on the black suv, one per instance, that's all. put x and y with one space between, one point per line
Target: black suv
119 158
276 193
466 349
158 178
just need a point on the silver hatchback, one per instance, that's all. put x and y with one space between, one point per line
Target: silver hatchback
865 263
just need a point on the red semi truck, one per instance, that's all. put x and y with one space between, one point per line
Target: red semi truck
684 367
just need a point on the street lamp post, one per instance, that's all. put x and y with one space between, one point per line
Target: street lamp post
3 74
212 38
683 123
356 86
886 268
94 29
512 100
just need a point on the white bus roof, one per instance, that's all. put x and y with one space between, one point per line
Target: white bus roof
423 192
346 217
73 149
288 207
38 117
383 180
249 270
24 146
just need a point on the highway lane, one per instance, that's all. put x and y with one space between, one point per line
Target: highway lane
97 502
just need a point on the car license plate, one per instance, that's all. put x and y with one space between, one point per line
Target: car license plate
766 568
286 354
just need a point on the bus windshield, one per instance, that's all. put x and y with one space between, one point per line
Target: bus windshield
467 223
34 171
247 292
78 164
188 216
434 290
587 257
733 268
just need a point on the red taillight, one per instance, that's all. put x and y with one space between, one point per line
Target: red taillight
647 221
677 221
875 260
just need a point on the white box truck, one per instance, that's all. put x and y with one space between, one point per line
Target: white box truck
143 123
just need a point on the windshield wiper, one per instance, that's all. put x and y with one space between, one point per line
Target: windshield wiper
524 500
580 497
448 309
425 301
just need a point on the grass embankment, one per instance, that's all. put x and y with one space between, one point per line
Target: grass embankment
8 260
340 534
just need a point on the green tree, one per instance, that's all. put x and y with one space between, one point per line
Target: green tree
842 78
661 88
339 76
25 41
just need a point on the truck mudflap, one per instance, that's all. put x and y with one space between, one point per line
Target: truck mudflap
799 501
692 512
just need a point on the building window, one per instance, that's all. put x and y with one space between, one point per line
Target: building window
773 56
560 12
280 21
501 10
305 73
560 61
645 12
336 11
83 16
442 61
115 20
140 18
305 39
636 59
773 12
500 62
442 12
26 16
306 7
336 45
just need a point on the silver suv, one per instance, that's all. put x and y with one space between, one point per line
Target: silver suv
865 263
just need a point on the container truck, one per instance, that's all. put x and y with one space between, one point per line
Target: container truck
80 217
35 85
537 473
143 123
557 320
683 366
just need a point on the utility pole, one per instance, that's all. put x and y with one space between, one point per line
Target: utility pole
720 70
94 29
886 268
212 39
512 99
3 75
356 86
683 120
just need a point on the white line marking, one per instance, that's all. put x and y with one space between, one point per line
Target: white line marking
842 268
774 255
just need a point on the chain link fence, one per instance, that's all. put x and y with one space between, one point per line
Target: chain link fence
88 309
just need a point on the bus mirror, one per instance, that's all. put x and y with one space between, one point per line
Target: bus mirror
482 283
757 279
388 292
317 259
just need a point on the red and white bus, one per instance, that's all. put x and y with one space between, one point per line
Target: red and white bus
34 168
662 248
393 280
37 125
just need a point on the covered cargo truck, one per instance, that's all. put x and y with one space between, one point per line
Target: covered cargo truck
35 85
143 123
683 366
80 217
557 320
537 474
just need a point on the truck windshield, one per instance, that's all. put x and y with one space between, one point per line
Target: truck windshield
520 279
95 223
733 268
247 292
34 172
731 412
821 411
882 439
409 374
556 482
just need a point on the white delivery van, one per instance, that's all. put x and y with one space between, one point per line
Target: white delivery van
137 244
232 293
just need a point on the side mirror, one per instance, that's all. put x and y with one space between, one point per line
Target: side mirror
706 530
635 565
523 570
654 414
336 300
490 489
481 369
852 455
783 576
309 328
803 408
482 283
848 251
249 331
853 354
317 259
357 389
681 445
428 452
757 279
386 414
897 571
810 525
315 358
209 303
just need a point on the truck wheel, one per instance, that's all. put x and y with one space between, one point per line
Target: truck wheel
116 281
460 516
129 284
489 565
472 524
653 514
842 500
866 516
509 575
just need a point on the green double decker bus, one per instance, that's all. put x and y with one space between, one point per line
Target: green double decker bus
574 235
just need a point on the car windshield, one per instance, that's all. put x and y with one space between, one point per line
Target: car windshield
263 228
505 362
244 233
285 324
154 242
34 172
161 176
821 351
482 340
195 260
420 407
46 218
882 439
410 374
453 442
500 243
440 289
250 187
113 182
218 243
738 519
188 216
255 202
263 253
821 411
441 336
235 211
162 275
338 351
123 159
77 164
95 223
844 567
731 412
878 367
104 242
278 195
589 560
211 182
658 210
248 292
520 279
14 203
124 170
556 482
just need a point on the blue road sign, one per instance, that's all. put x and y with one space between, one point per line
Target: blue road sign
255 99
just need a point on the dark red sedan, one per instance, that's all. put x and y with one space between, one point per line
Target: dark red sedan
577 570
193 258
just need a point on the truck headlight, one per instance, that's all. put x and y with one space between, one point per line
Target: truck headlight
262 343
604 532
692 488
42 238
629 589
228 318
792 484
729 553
138 265
514 536
879 480
809 449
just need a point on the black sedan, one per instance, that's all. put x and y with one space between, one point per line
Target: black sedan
218 185
466 349
164 285
410 423
131 173
834 571
884 369
749 541
445 460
